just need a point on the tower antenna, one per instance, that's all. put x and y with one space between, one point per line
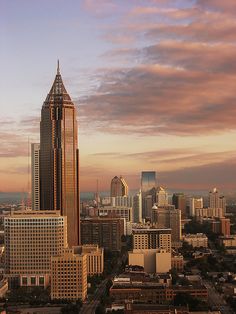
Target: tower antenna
58 66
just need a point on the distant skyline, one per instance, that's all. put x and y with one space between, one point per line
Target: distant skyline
154 82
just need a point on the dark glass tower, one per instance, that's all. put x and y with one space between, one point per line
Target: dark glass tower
59 158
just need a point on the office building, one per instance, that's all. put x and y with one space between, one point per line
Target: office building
168 218
125 201
119 187
196 240
225 226
217 201
31 238
59 157
152 260
106 232
209 212
118 211
69 276
35 178
151 238
179 201
95 258
194 204
148 190
137 207
161 197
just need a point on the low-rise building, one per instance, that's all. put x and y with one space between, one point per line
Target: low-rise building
69 276
196 240
152 260
177 262
152 291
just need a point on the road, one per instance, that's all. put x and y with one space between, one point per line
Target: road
90 306
216 300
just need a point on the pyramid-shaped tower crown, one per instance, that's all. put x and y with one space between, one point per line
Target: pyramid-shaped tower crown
58 92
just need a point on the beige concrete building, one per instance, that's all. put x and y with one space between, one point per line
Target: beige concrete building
95 258
69 276
196 240
152 238
31 238
152 260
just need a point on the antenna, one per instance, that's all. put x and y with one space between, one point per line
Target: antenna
58 67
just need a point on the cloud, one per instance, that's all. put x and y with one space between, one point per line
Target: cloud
228 6
154 99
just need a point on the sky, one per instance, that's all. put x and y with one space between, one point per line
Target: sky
154 83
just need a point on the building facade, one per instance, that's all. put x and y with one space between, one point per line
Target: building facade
196 240
119 187
31 238
152 260
148 190
151 238
106 232
59 157
69 276
35 177
169 218
95 258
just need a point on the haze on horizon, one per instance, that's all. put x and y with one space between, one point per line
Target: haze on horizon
154 82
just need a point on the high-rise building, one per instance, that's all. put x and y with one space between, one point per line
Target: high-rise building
151 238
179 200
195 203
106 232
148 181
119 187
169 218
31 238
35 178
59 157
148 189
137 207
69 276
161 197
217 201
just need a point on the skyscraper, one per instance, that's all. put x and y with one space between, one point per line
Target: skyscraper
217 201
35 179
179 200
119 187
59 157
148 189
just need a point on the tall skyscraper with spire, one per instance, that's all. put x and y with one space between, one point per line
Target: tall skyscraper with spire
59 157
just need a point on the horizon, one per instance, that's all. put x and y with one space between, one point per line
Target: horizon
153 91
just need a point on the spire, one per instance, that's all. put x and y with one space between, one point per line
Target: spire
58 67
58 91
